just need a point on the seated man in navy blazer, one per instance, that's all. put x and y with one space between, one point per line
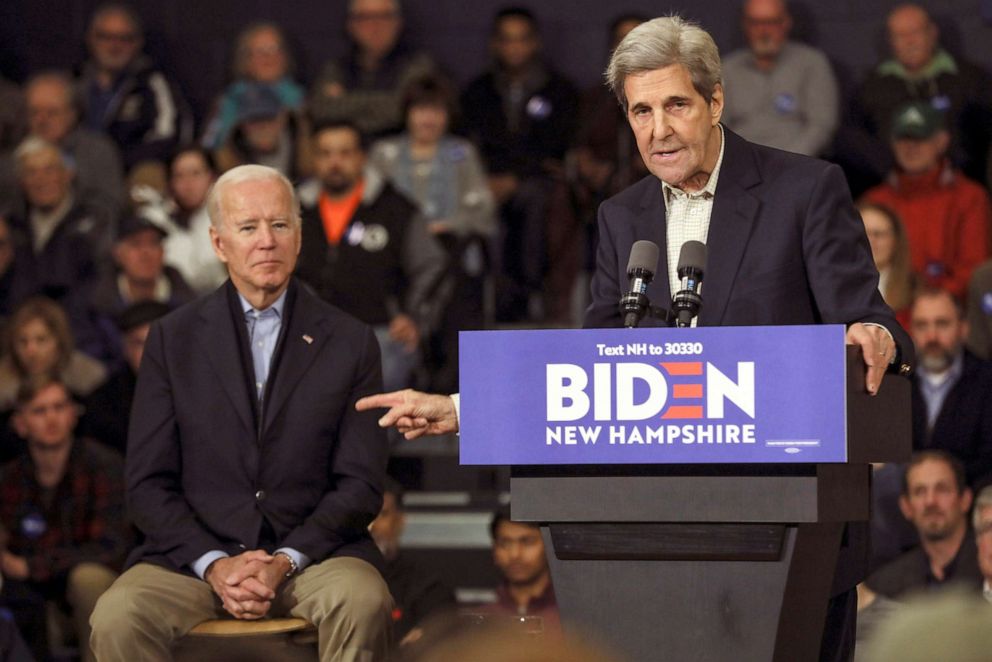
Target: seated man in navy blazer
249 471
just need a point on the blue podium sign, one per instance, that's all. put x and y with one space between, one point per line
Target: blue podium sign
654 396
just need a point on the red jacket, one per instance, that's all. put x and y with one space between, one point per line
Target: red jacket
947 219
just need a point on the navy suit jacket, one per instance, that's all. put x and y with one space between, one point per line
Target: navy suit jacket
785 246
206 464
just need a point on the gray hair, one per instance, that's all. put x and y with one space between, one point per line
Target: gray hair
247 173
660 43
982 502
34 145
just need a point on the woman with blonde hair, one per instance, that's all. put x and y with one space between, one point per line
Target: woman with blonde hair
890 251
262 58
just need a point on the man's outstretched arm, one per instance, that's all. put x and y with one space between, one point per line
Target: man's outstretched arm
414 413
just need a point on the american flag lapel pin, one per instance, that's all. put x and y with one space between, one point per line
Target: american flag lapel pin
308 339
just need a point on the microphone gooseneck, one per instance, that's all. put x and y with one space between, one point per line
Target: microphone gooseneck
692 267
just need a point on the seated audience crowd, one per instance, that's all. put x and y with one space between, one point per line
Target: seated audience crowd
429 209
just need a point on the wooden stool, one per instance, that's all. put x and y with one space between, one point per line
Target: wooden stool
289 639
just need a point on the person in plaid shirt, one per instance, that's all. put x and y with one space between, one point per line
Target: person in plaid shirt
62 508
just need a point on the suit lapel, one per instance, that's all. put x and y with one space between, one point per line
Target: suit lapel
734 211
301 341
649 223
218 336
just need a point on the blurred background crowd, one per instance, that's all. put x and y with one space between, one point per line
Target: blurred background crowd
449 163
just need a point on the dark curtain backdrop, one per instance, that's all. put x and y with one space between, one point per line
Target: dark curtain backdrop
192 39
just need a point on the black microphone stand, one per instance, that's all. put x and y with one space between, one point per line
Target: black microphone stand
633 303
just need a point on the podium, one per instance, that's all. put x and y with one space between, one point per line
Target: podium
732 554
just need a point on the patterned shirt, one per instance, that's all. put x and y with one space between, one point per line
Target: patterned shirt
80 520
688 218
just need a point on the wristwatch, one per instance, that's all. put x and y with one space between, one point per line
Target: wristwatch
294 567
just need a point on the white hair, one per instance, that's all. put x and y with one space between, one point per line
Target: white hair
33 145
247 173
660 43
982 502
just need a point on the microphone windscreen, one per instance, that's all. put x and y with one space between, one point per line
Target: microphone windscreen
692 255
643 255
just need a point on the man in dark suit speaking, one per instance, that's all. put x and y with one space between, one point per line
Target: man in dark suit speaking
249 471
785 245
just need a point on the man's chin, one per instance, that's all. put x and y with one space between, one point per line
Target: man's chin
936 532
338 187
936 362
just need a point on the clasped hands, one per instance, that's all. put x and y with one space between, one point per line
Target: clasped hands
247 583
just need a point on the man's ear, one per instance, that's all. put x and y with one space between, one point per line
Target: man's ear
17 420
966 496
944 140
716 104
217 244
904 507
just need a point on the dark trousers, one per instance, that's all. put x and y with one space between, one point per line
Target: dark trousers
26 603
840 628
520 256
12 646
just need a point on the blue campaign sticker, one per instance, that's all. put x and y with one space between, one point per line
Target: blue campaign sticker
941 102
935 269
987 303
33 526
355 233
456 153
655 396
785 103
538 107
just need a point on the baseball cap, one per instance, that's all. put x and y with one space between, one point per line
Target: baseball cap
917 120
258 102
133 224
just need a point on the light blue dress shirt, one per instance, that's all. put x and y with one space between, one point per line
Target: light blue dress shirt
935 388
263 334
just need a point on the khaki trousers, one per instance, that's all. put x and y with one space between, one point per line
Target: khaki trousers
86 583
149 608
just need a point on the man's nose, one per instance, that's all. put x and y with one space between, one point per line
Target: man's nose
266 236
660 128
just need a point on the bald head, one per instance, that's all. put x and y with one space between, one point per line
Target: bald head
50 105
913 36
767 7
766 25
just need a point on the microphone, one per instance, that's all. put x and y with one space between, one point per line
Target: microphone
692 265
640 270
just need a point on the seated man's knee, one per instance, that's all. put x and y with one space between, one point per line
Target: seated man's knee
361 593
367 596
87 582
111 610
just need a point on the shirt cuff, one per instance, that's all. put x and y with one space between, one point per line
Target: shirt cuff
895 354
302 560
456 398
200 565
